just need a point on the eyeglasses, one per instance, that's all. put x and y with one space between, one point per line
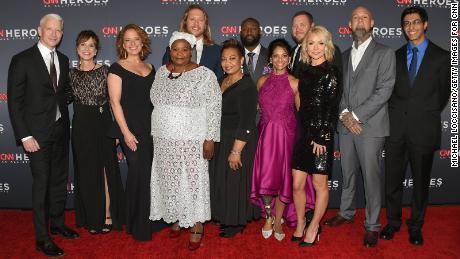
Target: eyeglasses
414 22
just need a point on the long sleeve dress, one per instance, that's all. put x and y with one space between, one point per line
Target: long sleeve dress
187 112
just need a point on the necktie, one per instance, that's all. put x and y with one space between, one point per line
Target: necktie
251 62
53 73
413 67
194 55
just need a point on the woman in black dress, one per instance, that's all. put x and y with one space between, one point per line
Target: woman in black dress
129 82
98 187
319 90
231 169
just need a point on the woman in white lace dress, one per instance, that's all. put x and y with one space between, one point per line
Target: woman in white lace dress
185 123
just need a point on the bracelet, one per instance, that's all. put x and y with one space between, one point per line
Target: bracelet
235 152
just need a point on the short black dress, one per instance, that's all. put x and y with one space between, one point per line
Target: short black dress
229 189
94 153
320 92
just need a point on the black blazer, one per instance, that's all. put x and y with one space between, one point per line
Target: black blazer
210 58
415 112
31 97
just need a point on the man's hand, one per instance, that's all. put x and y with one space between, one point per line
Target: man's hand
351 123
31 145
208 149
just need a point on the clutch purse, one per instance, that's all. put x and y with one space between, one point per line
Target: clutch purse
321 162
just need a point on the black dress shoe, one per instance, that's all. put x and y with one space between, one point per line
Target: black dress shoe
231 231
65 232
371 238
415 237
388 232
337 221
49 248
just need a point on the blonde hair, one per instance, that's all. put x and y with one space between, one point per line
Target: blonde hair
207 39
327 37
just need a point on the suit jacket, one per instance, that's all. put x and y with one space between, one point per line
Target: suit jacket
367 89
298 67
210 58
415 112
262 61
32 99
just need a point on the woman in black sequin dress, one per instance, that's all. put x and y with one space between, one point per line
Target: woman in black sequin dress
98 186
319 90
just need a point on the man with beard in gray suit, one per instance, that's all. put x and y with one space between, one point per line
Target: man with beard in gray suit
255 55
369 75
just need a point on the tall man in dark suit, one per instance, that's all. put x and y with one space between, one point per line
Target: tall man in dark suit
421 91
255 55
38 87
302 21
369 75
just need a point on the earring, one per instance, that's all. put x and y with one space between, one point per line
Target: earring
142 54
125 54
242 68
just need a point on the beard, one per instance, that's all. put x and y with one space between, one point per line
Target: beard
250 41
360 34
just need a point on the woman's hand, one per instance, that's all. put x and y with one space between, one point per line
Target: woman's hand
208 149
318 149
131 141
117 141
234 160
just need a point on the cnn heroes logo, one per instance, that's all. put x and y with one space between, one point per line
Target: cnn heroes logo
187 2
267 30
5 187
74 3
377 32
75 63
112 31
18 34
434 183
14 158
424 3
315 2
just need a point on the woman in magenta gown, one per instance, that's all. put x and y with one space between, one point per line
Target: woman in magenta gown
272 176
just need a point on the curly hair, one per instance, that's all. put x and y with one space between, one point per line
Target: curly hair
122 54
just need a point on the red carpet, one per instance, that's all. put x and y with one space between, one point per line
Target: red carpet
441 233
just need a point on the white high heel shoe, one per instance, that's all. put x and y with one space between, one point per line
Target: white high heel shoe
279 236
268 233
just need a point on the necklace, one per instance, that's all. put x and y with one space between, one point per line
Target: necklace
79 67
173 77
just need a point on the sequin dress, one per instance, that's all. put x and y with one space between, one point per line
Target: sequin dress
187 112
319 90
94 153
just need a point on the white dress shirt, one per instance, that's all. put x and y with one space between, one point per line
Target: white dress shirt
199 50
256 52
356 56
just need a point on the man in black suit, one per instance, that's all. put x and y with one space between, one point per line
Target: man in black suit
38 87
420 93
255 55
302 21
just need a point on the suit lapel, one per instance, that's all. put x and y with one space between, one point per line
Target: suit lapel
41 65
62 68
203 54
261 60
366 57
402 57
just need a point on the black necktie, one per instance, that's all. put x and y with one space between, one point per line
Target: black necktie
251 62
53 73
413 67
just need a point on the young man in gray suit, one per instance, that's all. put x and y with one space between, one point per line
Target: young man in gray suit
255 55
369 75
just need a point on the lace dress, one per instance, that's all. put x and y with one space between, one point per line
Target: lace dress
187 111
94 152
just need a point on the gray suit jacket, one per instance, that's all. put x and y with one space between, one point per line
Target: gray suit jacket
367 89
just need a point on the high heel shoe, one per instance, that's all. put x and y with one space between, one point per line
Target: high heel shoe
195 245
278 236
308 244
296 238
267 233
174 233
231 231
106 228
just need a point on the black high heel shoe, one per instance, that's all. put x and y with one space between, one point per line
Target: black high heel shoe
308 244
106 228
231 231
296 238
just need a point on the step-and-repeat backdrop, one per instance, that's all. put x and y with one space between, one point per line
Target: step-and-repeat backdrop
159 18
